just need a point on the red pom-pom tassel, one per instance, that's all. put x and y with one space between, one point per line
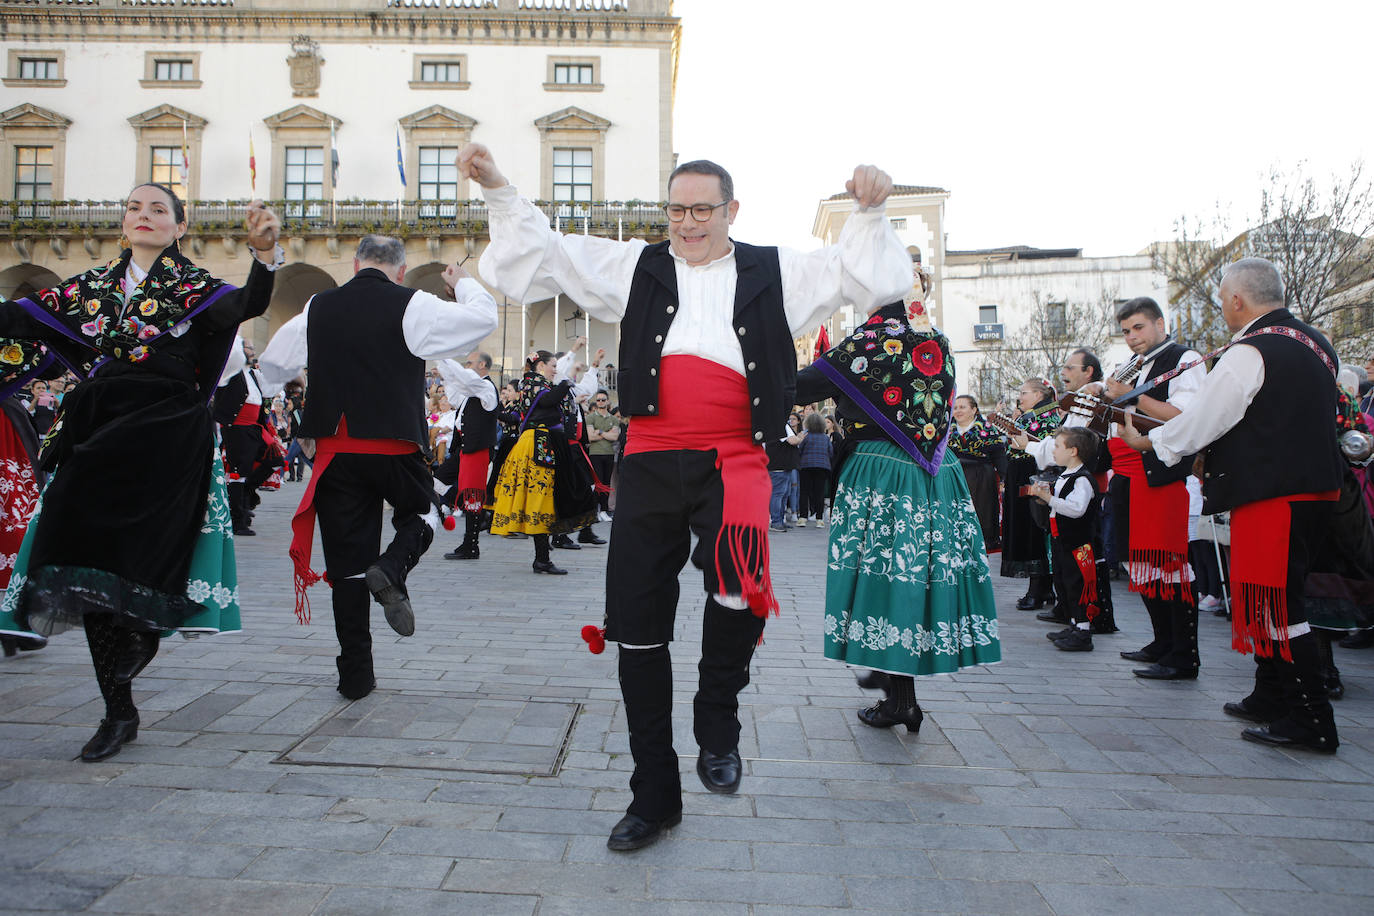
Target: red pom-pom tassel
449 523
595 638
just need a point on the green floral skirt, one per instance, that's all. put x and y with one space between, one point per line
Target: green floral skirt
908 589
210 603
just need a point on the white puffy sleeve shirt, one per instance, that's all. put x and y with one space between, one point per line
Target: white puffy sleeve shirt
528 261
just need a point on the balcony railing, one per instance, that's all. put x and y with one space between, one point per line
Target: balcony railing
611 219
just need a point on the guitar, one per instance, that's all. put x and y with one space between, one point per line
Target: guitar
1007 425
1101 414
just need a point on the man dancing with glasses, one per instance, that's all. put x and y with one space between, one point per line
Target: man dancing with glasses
708 373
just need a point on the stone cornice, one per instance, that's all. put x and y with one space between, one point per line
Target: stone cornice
539 27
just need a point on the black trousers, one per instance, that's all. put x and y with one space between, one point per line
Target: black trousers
242 445
604 466
814 483
1174 625
348 504
663 499
1293 693
1068 581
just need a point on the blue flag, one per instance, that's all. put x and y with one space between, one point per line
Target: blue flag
400 159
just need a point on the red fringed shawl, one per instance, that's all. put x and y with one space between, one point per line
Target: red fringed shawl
303 522
703 406
1259 573
1158 556
472 480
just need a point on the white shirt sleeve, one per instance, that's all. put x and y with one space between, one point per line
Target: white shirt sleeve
435 329
1076 503
868 267
528 261
236 361
1217 406
562 369
287 353
1183 388
588 384
1042 452
462 382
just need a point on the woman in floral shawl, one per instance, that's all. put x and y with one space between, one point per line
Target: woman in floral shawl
908 589
982 453
129 539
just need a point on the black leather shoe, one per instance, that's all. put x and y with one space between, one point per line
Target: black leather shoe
563 542
1139 656
588 536
245 533
357 691
1263 735
395 603
1241 711
1028 603
1360 639
141 649
634 832
1158 672
463 553
1051 617
1052 635
16 644
547 567
720 773
884 715
109 738
1077 641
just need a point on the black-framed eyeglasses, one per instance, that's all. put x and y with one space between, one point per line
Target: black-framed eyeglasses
700 212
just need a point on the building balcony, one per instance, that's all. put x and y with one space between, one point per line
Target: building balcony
76 219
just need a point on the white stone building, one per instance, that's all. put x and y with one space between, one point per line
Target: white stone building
574 96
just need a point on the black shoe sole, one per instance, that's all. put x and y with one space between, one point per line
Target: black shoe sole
648 839
399 614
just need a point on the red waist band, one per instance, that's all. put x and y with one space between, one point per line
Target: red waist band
700 404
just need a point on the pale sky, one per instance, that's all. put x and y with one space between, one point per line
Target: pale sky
1090 125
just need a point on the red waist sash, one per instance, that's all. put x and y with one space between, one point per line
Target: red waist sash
1158 556
247 415
704 406
303 522
1260 532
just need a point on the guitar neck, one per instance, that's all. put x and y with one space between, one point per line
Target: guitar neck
1008 425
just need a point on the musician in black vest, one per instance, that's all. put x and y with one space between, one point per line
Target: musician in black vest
1272 459
465 468
707 373
1156 510
237 408
1081 374
365 344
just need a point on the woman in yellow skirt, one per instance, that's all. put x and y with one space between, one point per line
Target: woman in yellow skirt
542 488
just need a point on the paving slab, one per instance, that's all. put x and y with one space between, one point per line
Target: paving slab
1051 783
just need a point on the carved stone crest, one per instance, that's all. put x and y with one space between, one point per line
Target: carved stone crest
305 63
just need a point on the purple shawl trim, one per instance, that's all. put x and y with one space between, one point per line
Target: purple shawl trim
44 315
932 465
48 359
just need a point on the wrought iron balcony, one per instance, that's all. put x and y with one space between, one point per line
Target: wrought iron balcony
321 218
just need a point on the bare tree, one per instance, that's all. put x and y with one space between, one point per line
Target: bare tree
1053 329
1318 238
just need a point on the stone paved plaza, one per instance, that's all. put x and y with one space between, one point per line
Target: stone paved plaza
486 771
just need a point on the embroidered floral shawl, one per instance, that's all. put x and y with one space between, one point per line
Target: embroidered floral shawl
20 362
91 309
902 377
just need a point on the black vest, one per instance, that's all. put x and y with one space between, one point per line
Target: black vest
759 323
1286 442
1157 473
359 363
478 425
1075 532
782 456
232 395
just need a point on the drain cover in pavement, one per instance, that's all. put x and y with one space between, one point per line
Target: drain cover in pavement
456 732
